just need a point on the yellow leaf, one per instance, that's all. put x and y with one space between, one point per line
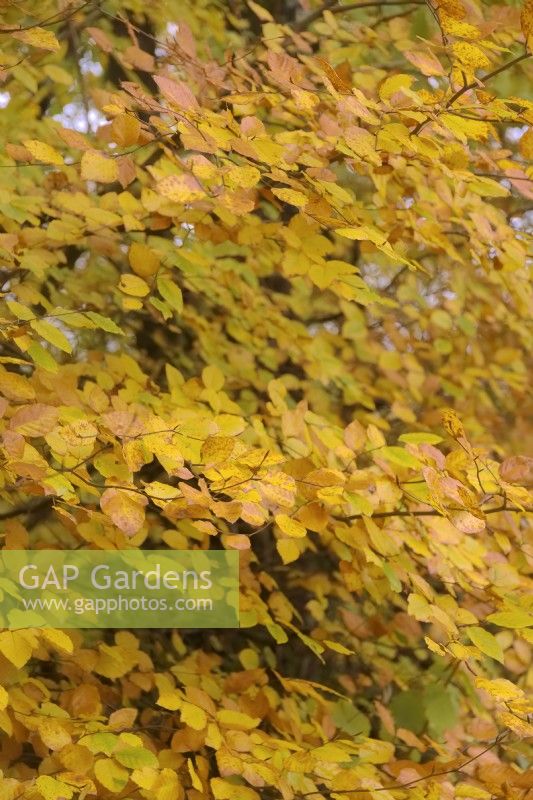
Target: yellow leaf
59 639
17 646
260 11
229 790
122 719
51 334
38 37
52 789
4 698
418 607
455 26
393 84
167 786
169 697
216 449
237 720
464 128
110 774
43 152
53 734
133 285
331 753
499 688
288 550
193 716
375 751
195 780
518 618
435 647
125 130
382 541
338 648
125 509
143 261
471 792
526 142
470 56
364 233
452 423
399 456
520 726
180 188
291 196
466 522
57 74
15 387
97 167
486 642
526 19
170 292
213 378
242 177
289 526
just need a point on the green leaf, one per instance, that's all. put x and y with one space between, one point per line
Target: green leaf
441 709
399 456
486 642
363 233
42 357
518 618
360 503
349 719
104 323
52 789
171 293
20 311
392 577
420 438
100 742
408 711
136 758
51 334
162 307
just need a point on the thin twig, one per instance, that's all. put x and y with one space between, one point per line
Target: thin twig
430 776
338 8
472 85
26 508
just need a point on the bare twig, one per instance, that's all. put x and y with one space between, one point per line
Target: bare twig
430 776
26 508
338 8
472 85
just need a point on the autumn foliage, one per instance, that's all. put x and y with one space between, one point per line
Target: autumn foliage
264 273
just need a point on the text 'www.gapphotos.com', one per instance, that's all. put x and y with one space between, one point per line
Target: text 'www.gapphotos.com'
111 605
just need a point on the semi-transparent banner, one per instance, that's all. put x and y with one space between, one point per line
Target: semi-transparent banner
119 589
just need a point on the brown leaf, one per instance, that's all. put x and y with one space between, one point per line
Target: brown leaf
177 93
517 469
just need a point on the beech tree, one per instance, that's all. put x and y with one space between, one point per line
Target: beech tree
265 287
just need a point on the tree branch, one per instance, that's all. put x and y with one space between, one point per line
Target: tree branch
472 85
434 513
55 19
440 773
485 78
337 8
25 508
